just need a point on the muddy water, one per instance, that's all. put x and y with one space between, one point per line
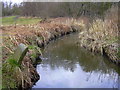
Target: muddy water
67 65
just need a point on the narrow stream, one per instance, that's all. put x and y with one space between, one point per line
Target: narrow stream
67 65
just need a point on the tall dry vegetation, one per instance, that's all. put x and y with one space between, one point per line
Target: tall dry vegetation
101 33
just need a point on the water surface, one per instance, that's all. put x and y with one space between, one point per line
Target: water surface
66 65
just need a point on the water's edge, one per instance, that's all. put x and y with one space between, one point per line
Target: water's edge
60 48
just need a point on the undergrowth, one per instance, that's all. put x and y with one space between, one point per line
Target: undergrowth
101 33
15 74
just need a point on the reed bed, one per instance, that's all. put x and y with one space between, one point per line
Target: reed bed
102 34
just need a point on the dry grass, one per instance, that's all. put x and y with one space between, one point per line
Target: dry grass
25 76
29 35
101 33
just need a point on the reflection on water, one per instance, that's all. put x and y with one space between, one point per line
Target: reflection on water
67 65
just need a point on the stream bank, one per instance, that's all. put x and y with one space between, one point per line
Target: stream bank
67 65
102 35
35 37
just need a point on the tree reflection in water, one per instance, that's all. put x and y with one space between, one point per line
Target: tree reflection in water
65 56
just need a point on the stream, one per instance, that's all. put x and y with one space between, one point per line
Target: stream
66 65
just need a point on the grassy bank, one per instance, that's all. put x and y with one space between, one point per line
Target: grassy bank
102 35
33 36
